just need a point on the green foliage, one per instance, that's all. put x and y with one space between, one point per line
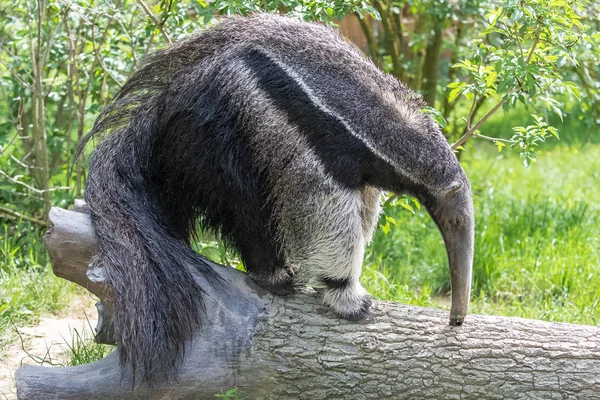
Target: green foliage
215 250
323 10
526 54
537 240
27 285
526 139
81 348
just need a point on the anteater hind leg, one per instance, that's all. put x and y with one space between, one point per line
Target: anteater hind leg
329 247
263 260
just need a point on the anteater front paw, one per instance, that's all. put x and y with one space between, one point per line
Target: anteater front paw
352 302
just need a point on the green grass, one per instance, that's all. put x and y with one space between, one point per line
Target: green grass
78 348
81 348
537 246
231 394
28 288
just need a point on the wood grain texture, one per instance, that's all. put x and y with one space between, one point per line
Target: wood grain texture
293 347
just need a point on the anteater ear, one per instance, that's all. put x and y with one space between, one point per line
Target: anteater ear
453 188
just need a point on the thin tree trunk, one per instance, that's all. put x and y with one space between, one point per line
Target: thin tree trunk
594 125
71 75
391 37
447 107
432 62
416 80
38 131
367 27
293 347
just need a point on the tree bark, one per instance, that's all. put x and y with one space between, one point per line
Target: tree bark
392 37
432 62
415 80
293 347
447 107
366 25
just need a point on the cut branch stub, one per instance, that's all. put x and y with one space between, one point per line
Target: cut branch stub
71 243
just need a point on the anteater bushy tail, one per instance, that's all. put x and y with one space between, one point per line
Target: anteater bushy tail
145 255
157 301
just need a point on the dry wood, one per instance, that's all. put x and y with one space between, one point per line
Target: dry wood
294 348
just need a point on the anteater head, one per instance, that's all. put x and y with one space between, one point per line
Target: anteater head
418 160
452 210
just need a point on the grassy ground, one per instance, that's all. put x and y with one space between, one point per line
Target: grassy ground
537 250
27 286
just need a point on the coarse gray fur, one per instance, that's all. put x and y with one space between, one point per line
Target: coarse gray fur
279 135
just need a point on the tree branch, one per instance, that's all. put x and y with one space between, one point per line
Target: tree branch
15 215
367 30
472 130
33 189
14 74
99 60
158 25
491 139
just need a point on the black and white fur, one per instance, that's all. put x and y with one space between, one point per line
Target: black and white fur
280 136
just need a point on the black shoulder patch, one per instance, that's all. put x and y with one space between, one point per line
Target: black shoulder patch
340 152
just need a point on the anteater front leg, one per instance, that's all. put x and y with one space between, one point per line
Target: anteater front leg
371 208
327 242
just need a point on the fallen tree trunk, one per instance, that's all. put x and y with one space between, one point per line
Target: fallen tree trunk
293 348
